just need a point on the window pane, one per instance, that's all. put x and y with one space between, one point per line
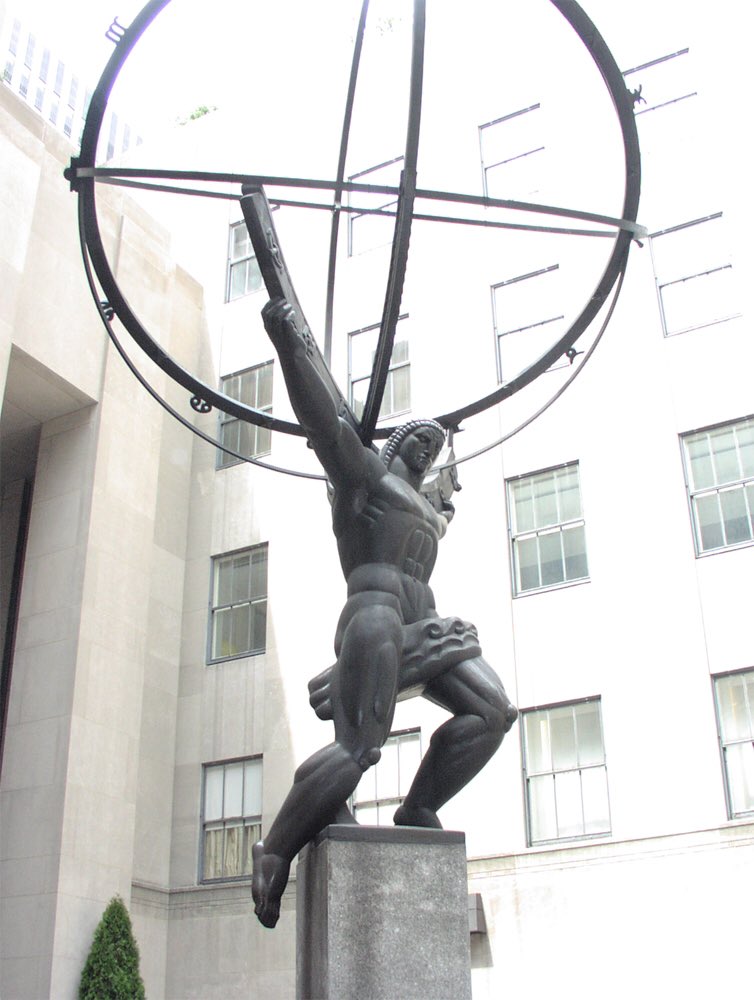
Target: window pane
264 387
595 802
527 552
253 275
710 521
367 787
213 793
542 815
264 441
240 629
563 737
745 434
739 760
723 445
233 856
735 516
589 733
574 549
252 789
569 496
221 638
368 815
568 804
409 760
551 556
735 699
252 832
537 737
240 577
258 584
399 389
233 802
523 505
699 300
212 866
240 242
700 459
359 395
237 281
545 502
387 772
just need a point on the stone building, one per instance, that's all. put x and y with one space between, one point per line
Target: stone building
164 605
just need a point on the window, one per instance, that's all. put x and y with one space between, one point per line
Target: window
244 275
239 604
232 821
384 786
112 133
44 67
565 772
720 478
371 220
663 82
30 46
526 321
253 387
547 529
59 74
511 154
694 275
362 346
735 717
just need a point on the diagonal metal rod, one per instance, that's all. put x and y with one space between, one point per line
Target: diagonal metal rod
338 190
263 180
399 255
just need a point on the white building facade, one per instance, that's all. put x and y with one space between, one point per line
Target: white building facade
174 601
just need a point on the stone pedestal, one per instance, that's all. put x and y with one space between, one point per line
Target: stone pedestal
381 914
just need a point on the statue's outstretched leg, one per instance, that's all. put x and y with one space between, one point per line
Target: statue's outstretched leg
364 689
461 747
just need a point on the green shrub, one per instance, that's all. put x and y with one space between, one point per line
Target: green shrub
112 968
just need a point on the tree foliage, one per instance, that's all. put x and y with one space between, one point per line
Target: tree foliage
112 968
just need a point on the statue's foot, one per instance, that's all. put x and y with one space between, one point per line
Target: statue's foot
418 816
268 881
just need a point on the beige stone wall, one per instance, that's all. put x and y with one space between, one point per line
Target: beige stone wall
88 770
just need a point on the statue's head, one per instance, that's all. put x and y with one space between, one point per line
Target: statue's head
413 428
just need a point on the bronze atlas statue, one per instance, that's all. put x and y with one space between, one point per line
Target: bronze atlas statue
390 641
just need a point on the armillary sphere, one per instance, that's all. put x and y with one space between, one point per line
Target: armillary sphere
84 176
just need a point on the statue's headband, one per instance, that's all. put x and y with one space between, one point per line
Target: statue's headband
392 445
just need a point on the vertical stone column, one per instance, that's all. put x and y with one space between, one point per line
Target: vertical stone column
382 913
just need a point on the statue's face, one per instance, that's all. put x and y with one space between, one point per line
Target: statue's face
419 449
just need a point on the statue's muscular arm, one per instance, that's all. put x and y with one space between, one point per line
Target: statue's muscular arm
346 461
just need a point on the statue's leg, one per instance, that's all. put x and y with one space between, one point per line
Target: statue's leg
364 689
461 747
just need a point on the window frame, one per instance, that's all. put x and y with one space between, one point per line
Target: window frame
246 819
527 775
237 261
569 524
222 459
691 493
662 284
487 167
500 334
354 216
638 109
392 368
213 608
391 802
746 814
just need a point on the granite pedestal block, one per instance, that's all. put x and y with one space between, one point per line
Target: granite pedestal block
382 914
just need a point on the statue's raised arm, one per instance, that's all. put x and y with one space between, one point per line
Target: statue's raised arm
335 442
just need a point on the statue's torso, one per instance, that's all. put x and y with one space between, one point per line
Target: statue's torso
387 524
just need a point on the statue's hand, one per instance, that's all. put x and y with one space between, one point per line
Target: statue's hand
448 511
279 320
